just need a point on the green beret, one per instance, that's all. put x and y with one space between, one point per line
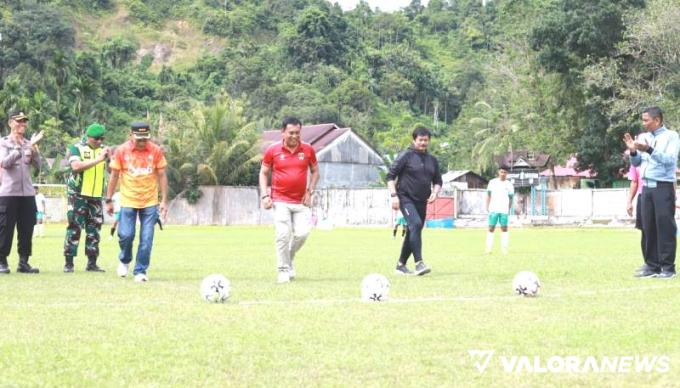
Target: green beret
95 130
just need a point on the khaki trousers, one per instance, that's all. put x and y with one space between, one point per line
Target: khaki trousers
292 225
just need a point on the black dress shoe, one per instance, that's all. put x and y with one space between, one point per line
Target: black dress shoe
27 269
4 268
24 267
647 274
666 275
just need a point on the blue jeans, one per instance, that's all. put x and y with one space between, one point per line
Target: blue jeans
126 235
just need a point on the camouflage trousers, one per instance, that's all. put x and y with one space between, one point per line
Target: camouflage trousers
83 213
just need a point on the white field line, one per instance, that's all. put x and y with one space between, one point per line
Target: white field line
459 298
325 302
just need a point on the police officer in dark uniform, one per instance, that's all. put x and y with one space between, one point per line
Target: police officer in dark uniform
418 181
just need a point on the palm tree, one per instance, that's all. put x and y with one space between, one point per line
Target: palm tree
227 141
219 147
494 134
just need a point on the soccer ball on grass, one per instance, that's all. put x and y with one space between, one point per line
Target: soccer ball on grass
215 288
526 283
375 288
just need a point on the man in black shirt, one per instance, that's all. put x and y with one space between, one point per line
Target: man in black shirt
418 182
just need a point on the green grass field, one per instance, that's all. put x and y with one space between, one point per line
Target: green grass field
87 329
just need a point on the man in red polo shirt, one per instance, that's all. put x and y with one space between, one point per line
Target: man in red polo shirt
290 196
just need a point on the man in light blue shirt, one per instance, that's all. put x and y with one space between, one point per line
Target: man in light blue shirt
656 153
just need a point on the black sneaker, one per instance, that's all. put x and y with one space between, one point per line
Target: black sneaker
647 274
402 269
68 268
422 268
666 275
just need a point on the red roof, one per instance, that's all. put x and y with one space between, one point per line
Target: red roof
319 135
569 170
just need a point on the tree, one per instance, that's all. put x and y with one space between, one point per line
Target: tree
216 145
317 36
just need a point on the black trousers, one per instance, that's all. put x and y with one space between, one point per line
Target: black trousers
19 212
658 226
638 225
414 213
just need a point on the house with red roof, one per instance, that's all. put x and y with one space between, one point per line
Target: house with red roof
567 177
345 159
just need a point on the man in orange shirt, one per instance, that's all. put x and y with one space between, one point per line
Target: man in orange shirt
140 166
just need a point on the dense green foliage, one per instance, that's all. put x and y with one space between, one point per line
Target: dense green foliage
559 76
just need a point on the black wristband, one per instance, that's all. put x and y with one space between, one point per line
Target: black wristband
264 196
393 195
633 153
108 200
650 150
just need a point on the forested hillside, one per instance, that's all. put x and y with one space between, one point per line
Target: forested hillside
558 76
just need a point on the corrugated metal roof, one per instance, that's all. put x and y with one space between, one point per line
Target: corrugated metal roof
318 135
522 158
453 175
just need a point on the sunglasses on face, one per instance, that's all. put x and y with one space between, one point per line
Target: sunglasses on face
98 138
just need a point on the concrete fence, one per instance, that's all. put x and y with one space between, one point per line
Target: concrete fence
222 205
347 207
584 203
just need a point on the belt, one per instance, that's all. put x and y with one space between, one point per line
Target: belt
652 183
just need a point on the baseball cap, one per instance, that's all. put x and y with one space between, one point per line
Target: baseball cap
140 130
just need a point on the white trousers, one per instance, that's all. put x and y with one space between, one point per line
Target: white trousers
292 225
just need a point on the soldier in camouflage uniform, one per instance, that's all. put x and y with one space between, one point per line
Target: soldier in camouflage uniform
85 191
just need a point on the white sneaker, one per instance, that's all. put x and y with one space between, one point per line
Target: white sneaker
122 270
141 278
283 277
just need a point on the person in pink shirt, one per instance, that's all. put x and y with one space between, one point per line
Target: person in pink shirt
635 189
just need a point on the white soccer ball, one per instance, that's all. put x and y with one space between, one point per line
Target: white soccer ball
215 288
526 283
375 288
